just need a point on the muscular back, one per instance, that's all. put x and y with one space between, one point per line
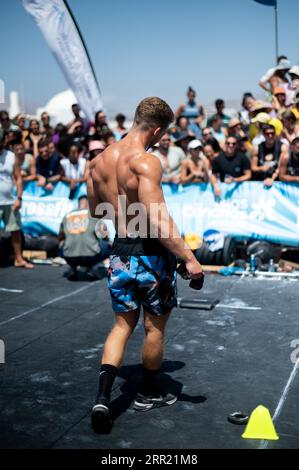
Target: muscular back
116 172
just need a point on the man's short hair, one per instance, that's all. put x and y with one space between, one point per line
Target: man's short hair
43 143
153 112
295 141
268 127
219 102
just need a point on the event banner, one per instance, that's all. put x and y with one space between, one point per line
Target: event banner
246 210
63 38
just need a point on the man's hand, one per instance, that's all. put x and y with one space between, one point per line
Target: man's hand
217 191
73 184
41 181
194 268
49 187
175 179
268 182
17 205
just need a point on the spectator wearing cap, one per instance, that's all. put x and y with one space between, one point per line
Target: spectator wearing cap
290 127
171 158
96 147
183 140
120 129
256 127
282 79
84 241
289 163
26 163
10 175
211 151
266 82
279 101
218 132
235 128
192 110
48 168
220 106
230 167
74 170
266 155
195 169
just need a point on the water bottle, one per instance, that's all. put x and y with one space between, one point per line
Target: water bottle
271 268
252 263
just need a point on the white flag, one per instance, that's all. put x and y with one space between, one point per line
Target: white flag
63 38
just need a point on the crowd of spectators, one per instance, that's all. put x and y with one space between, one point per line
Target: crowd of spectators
259 143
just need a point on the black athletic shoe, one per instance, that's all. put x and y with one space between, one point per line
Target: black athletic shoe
143 403
101 420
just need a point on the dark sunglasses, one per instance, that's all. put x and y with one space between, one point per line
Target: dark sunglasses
231 143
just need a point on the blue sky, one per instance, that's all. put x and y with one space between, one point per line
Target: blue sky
159 47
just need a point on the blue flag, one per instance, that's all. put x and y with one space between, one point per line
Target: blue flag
269 3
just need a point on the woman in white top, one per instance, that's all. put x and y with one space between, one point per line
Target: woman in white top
74 168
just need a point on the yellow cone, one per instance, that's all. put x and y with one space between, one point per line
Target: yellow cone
260 425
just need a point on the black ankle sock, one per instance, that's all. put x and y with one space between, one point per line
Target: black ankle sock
106 379
149 384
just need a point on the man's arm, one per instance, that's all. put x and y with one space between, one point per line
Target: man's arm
254 162
245 177
19 185
32 171
93 197
283 170
149 173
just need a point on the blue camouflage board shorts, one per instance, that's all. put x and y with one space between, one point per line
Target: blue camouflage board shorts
148 281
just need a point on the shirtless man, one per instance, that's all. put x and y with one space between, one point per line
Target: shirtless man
142 268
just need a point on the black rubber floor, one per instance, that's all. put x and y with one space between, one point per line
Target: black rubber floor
232 358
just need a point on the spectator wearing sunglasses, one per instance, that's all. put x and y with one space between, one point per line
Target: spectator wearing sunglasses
206 135
266 155
230 167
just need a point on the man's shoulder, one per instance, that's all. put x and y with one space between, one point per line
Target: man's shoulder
146 163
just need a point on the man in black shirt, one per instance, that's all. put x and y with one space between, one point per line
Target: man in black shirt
48 167
289 163
266 155
230 167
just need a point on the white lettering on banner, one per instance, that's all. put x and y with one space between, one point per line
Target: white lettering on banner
45 210
263 209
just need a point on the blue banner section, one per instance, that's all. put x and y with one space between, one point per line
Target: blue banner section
246 210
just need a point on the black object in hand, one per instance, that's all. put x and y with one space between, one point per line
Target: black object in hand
196 284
